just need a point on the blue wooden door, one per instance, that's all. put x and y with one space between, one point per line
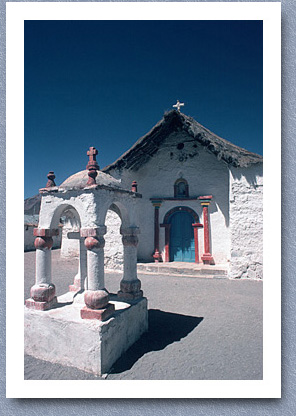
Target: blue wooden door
182 237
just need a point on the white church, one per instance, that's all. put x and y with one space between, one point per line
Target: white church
200 200
180 195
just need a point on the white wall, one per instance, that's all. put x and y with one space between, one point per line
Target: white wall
205 176
246 221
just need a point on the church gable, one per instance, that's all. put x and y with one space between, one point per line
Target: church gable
178 125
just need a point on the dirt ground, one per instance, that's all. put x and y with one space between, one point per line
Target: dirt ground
199 329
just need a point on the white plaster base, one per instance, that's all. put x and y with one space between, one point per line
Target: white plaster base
61 336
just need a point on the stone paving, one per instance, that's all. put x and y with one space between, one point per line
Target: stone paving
199 328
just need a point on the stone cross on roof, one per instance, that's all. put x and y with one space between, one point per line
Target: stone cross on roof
178 105
91 153
92 163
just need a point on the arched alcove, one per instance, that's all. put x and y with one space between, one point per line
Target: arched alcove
181 188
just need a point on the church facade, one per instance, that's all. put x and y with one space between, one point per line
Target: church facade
202 200
202 197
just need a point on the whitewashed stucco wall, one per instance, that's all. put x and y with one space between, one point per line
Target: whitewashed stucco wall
246 222
205 176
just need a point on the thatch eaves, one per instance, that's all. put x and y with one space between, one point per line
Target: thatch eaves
173 121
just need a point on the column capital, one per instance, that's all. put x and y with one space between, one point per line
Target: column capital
93 232
156 203
43 243
45 232
205 200
93 243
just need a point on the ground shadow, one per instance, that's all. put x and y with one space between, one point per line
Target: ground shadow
164 329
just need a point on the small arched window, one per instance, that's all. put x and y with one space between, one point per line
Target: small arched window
181 188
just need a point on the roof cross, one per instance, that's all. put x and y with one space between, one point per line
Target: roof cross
178 105
92 163
91 153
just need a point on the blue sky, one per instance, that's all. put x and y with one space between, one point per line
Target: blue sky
105 84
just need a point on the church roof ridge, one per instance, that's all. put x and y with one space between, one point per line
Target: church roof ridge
146 146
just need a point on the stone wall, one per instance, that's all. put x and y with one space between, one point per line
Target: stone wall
246 222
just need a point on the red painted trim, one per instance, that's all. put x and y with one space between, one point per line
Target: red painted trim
207 256
196 244
42 243
45 232
156 254
93 232
167 233
93 243
205 197
134 186
195 228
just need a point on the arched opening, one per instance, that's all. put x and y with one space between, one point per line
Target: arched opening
181 242
113 240
73 275
70 224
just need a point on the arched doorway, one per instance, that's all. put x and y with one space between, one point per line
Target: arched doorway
182 246
181 240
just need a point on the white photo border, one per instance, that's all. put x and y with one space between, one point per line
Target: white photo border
270 386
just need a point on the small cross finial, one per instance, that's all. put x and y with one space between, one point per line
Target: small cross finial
92 163
92 166
178 105
91 153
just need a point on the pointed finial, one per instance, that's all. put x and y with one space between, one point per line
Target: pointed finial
178 105
50 182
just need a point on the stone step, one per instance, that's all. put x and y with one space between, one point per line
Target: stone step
184 269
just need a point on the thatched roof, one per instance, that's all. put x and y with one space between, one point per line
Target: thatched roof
173 121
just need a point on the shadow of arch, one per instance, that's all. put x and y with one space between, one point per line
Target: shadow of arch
164 329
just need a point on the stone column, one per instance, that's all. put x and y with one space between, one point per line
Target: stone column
130 285
80 278
207 256
96 297
43 292
196 226
156 254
